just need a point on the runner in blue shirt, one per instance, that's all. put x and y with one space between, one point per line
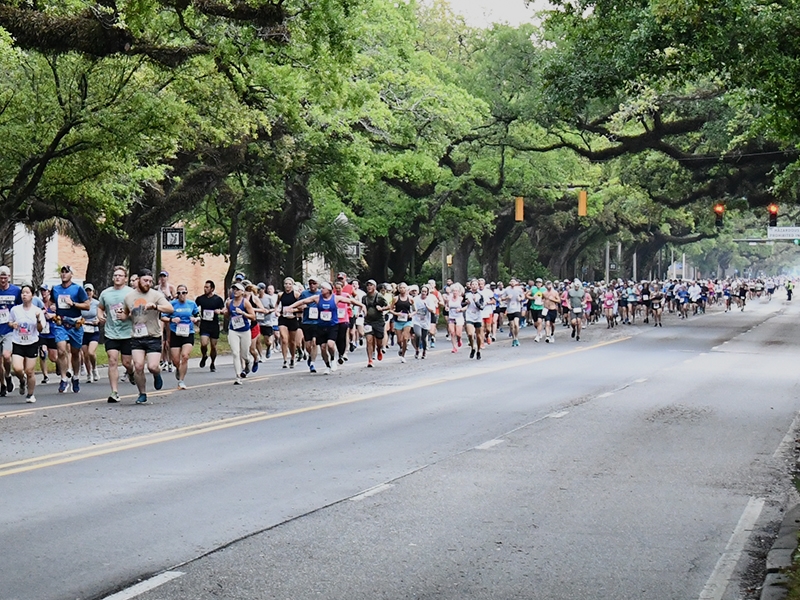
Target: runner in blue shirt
10 296
70 299
181 332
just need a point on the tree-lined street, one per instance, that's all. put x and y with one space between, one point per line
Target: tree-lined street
616 467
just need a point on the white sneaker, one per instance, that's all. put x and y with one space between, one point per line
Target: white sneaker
327 371
181 385
30 399
402 359
83 370
333 366
537 338
237 381
95 375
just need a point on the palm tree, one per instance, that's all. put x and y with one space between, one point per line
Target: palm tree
43 232
7 244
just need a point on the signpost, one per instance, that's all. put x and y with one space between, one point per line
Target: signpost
172 238
783 233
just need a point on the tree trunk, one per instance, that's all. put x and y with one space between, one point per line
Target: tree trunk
43 232
461 260
142 253
7 245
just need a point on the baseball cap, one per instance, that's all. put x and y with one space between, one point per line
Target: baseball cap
88 286
326 286
238 286
4 270
163 274
538 279
239 276
371 282
314 279
66 269
262 286
44 287
341 275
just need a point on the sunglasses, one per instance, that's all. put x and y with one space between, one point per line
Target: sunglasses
182 293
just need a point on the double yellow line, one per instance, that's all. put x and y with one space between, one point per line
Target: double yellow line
68 456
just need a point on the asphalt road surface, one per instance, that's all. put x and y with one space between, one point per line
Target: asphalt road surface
639 463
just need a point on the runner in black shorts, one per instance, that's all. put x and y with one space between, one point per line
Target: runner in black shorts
211 306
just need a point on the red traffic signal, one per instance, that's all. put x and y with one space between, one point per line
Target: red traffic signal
773 214
719 211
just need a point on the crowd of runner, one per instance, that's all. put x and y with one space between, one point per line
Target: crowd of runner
149 324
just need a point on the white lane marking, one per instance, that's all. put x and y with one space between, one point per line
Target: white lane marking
642 380
788 440
720 577
558 415
489 444
145 586
372 491
606 395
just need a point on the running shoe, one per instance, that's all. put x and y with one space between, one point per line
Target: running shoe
255 366
459 342
312 368
237 382
537 338
577 338
83 370
243 375
403 359
433 344
22 387
345 358
291 364
95 375
341 360
203 362
472 353
158 381
380 355
169 367
212 368
45 380
333 367
478 356
113 398
142 399
284 364
30 398
181 385
76 385
424 354
308 361
370 365
62 387
352 347
246 367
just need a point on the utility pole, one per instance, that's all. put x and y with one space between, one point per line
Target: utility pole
608 259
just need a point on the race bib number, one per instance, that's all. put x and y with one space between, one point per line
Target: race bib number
645 297
4 315
89 328
209 315
359 320
24 332
288 312
62 301
237 322
656 306
139 330
184 329
326 315
46 328
341 313
116 311
402 317
544 312
577 310
261 317
313 313
367 328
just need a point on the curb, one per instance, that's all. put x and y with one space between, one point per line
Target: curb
781 556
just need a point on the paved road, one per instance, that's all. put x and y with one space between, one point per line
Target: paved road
631 465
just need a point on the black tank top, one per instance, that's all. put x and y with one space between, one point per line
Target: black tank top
287 299
402 306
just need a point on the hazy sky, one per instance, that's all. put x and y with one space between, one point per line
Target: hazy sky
481 13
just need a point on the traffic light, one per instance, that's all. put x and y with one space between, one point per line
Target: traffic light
773 214
719 212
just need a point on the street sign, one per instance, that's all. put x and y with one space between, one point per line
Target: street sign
783 233
172 238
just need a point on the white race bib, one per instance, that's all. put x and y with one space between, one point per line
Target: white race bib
139 330
89 328
288 312
4 315
645 297
342 313
46 328
326 315
237 322
184 329
544 312
313 313
367 328
402 317
62 301
359 320
577 310
208 315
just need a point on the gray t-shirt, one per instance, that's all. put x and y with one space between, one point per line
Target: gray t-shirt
576 298
146 322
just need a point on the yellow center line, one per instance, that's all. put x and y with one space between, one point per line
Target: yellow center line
68 456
